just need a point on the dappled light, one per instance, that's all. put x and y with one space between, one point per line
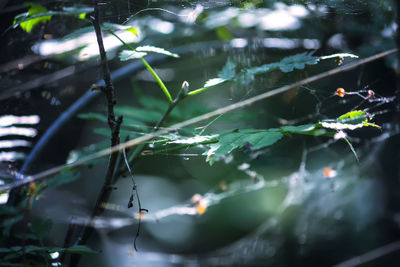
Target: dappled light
199 133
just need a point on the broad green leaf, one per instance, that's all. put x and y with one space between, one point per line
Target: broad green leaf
301 129
298 61
148 48
134 123
32 249
130 54
228 71
27 20
349 121
5 250
307 129
353 117
39 14
237 139
261 69
287 64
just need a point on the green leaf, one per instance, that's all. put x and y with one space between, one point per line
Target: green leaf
133 30
245 77
144 115
92 116
148 48
39 14
287 64
353 117
301 129
229 141
153 103
27 20
349 121
79 249
130 54
224 33
228 71
142 51
298 61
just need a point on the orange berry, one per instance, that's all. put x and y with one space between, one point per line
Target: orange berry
201 208
329 173
340 92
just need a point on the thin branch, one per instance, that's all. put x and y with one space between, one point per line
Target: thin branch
43 175
114 125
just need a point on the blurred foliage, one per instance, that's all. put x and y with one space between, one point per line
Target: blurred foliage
255 201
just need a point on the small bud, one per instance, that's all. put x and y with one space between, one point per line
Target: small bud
185 87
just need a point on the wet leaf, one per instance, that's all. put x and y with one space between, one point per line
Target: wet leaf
228 71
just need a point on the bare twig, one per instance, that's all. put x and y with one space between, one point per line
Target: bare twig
45 174
114 124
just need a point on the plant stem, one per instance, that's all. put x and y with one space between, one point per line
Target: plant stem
159 81
114 124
